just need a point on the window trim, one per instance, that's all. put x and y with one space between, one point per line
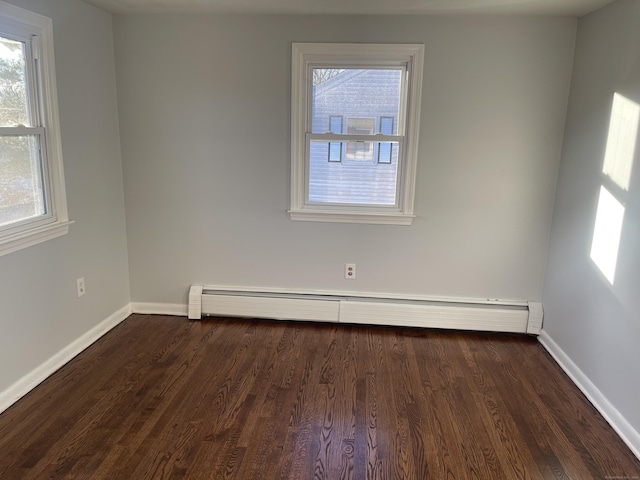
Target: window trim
56 221
353 55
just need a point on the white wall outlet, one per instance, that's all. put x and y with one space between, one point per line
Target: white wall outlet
350 271
81 289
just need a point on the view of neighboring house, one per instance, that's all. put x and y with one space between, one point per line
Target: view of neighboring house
356 102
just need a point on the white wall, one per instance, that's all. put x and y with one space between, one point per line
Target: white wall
597 325
40 312
204 117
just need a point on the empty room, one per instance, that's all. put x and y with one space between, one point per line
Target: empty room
260 239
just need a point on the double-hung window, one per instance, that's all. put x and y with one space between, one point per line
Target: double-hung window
355 112
32 198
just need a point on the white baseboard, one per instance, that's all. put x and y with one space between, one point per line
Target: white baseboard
160 308
32 379
623 428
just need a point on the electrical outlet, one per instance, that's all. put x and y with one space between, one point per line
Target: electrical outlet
81 289
350 271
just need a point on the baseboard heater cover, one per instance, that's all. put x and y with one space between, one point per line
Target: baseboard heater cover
482 315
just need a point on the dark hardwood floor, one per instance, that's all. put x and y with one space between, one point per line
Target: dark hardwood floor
163 397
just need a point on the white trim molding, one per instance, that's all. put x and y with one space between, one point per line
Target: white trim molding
32 379
618 422
31 237
337 217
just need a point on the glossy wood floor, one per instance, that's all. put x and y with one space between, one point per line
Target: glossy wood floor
162 397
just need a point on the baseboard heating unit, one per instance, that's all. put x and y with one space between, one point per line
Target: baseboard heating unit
372 309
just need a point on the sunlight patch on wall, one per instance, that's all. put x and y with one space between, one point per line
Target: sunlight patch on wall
618 163
621 141
606 235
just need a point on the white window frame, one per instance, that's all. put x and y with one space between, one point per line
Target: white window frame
306 56
37 32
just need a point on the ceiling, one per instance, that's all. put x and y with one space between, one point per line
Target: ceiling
575 8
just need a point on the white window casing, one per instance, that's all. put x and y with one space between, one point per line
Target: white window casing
36 32
408 58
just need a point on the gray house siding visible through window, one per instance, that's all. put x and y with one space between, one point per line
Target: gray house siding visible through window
367 102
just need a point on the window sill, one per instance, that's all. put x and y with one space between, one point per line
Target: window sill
351 217
28 238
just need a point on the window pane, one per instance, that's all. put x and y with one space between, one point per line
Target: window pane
360 151
335 124
385 149
361 126
335 152
385 152
21 194
335 148
386 125
352 182
13 91
354 93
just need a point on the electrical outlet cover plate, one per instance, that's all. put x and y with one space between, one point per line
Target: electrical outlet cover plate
350 271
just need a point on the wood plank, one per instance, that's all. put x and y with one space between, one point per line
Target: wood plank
164 397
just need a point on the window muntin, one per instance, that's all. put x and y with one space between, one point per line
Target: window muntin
366 173
32 198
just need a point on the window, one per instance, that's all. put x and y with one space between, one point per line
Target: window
385 150
360 150
335 148
32 198
354 132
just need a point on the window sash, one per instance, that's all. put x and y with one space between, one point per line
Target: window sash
363 208
353 64
21 130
